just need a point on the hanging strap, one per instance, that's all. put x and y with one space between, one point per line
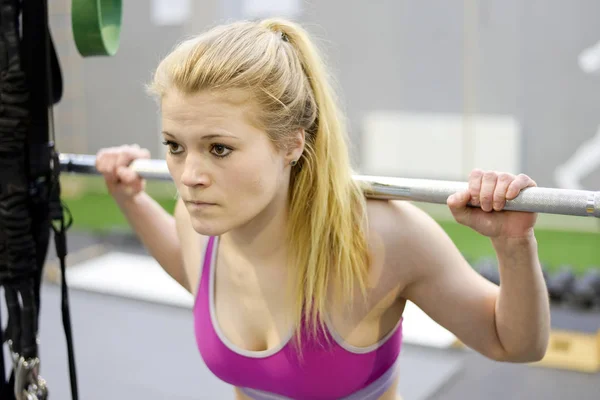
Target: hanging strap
18 268
29 190
43 71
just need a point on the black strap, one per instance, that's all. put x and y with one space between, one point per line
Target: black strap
60 226
19 261
57 208
46 90
3 384
33 175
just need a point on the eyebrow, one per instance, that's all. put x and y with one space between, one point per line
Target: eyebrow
205 137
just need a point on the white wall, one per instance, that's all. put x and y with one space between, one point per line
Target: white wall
438 145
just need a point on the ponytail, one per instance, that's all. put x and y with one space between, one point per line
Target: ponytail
327 220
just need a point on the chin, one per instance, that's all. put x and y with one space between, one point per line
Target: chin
214 227
209 229
221 223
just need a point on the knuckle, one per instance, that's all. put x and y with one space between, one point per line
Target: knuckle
489 174
505 177
476 173
499 193
124 158
524 178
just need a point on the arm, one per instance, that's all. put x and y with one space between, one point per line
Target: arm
157 231
523 288
510 323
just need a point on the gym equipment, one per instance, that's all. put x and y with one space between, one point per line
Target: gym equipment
96 26
593 278
533 199
30 83
560 283
585 292
488 268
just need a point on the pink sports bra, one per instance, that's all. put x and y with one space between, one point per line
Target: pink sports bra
328 369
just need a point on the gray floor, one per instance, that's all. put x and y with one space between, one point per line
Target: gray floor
128 349
482 379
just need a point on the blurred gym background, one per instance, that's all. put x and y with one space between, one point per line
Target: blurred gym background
431 89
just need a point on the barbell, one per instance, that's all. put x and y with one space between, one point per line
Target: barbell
583 203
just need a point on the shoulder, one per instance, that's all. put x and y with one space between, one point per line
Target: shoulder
405 234
395 220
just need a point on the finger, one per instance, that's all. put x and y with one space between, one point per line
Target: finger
457 203
502 184
138 152
106 165
127 175
99 156
459 199
488 185
143 153
521 182
128 154
475 185
102 160
125 157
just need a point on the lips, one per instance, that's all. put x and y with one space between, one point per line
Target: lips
200 203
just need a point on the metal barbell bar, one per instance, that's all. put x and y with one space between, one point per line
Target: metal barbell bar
572 202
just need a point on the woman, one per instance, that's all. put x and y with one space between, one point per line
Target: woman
299 281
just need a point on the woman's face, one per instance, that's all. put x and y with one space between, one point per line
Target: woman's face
227 171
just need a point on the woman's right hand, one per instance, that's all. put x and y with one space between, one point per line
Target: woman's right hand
121 180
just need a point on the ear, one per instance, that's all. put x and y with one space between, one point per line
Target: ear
296 146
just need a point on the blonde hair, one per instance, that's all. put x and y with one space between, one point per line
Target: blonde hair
276 61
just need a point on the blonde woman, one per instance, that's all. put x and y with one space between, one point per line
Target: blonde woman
300 281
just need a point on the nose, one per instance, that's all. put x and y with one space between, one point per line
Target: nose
194 173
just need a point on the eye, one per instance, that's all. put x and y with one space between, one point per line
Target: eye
221 150
174 148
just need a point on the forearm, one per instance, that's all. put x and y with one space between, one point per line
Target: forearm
157 231
522 308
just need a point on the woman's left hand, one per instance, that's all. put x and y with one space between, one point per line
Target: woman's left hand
490 190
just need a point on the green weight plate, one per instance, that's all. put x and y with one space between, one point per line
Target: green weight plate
96 26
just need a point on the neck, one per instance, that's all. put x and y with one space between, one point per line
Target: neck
262 240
